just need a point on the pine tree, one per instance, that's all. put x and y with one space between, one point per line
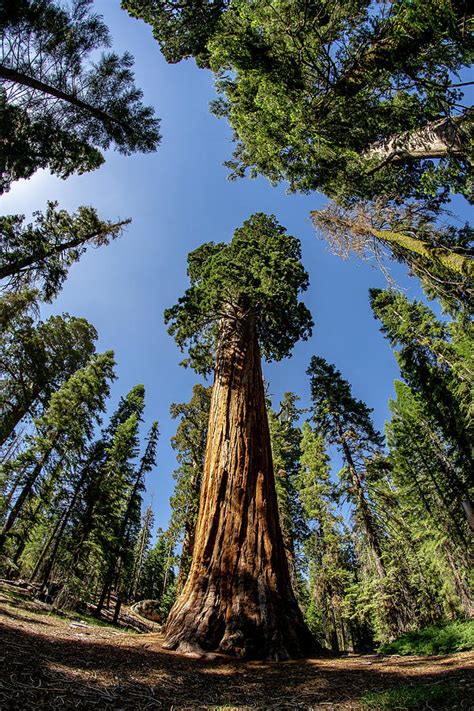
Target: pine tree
40 254
328 548
438 369
35 360
346 422
123 532
430 506
157 581
116 446
61 103
141 549
190 444
64 428
285 439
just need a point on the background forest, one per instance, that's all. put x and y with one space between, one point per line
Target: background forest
370 420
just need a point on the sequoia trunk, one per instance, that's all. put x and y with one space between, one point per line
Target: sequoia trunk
238 597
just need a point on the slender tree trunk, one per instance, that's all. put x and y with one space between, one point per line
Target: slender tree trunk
189 529
46 547
24 495
25 80
453 261
12 418
333 636
364 511
60 528
288 541
118 606
8 499
443 500
186 554
82 534
10 269
460 585
106 587
121 543
144 538
13 448
460 490
238 597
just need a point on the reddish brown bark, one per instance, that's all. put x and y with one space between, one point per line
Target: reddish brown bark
238 597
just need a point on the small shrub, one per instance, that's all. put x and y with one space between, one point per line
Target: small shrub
407 696
457 636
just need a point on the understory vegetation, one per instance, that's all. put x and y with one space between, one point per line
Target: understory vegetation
457 636
414 696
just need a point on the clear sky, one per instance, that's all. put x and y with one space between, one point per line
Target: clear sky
178 198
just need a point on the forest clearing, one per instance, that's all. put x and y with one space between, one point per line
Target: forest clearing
49 662
236 420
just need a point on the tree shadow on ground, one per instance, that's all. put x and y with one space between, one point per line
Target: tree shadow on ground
41 671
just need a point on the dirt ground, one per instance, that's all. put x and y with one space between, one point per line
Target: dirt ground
50 662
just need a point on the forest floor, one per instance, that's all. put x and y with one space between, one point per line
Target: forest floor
48 661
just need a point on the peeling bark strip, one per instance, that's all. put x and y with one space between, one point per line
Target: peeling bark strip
238 597
435 140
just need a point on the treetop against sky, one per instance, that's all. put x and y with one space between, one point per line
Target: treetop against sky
179 198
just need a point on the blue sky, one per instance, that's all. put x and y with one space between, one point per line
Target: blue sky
178 198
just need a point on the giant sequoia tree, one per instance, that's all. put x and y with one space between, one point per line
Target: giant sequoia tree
242 303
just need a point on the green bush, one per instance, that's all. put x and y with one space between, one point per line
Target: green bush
444 638
417 697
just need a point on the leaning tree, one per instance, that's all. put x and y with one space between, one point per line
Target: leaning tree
242 303
62 102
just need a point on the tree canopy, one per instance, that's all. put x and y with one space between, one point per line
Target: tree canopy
257 273
39 254
351 98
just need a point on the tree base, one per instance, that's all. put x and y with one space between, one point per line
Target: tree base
197 628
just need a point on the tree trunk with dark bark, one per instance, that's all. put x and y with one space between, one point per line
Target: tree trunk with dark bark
363 509
238 597
24 494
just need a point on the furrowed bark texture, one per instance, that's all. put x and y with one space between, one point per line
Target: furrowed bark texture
238 597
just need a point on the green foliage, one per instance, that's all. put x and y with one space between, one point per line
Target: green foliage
329 556
83 102
310 88
257 274
40 254
413 696
442 638
440 255
434 367
157 581
36 359
62 434
285 440
189 442
181 29
423 467
336 412
15 306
